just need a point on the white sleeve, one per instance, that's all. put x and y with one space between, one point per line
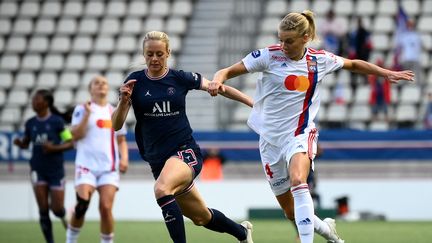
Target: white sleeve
333 62
257 61
77 115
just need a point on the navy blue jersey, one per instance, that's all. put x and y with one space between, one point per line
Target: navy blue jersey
40 131
160 110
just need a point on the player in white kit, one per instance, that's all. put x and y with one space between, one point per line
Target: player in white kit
97 162
286 102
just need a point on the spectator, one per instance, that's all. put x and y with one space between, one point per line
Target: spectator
428 114
380 95
213 162
332 32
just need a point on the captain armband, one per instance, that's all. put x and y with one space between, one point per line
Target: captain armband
66 135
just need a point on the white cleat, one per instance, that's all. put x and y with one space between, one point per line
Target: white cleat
334 237
248 227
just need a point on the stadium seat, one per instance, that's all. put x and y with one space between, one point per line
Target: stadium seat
88 26
269 25
25 80
175 43
241 114
424 24
181 8
387 7
46 80
112 96
362 95
97 62
69 80
17 97
160 8
137 8
104 44
154 23
427 41
2 96
276 8
116 8
132 26
72 9
28 113
32 62
51 8
82 44
329 80
360 113
5 26
379 126
325 95
82 95
6 80
66 26
119 62
45 26
176 25
38 44
383 24
60 44
266 40
365 7
94 8
426 8
298 6
410 94
127 44
322 115
76 62
336 113
115 79
320 7
412 7
8 9
380 41
425 59
23 26
10 115
343 7
53 62
87 76
406 113
63 97
109 26
9 62
29 9
16 44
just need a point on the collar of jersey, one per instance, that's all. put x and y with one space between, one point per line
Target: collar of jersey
156 78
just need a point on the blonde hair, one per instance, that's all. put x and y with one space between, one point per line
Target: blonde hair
303 23
156 35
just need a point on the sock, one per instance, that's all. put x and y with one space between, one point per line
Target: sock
72 234
46 226
107 238
173 218
303 212
220 223
321 228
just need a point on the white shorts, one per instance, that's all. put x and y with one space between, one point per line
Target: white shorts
275 160
96 178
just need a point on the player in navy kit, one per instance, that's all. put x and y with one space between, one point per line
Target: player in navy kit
47 132
164 138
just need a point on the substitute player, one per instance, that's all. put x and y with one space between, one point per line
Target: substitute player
101 155
286 103
47 132
164 138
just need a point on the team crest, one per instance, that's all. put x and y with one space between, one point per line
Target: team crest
312 66
170 91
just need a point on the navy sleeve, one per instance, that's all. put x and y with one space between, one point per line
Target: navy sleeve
130 76
27 129
190 79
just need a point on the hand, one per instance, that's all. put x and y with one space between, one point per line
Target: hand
215 87
126 90
124 165
394 76
87 107
48 147
17 142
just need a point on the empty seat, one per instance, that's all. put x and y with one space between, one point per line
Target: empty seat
427 8
97 62
137 8
412 7
82 44
17 97
29 9
2 96
336 113
87 77
28 113
410 94
175 43
154 23
298 6
320 7
424 23
82 96
38 44
360 113
176 25
10 115
344 7
112 96
5 80
379 126
365 7
95 8
88 26
46 80
159 8
69 80
53 62
72 9
387 7
406 113
45 26
383 24
116 8
325 95
362 95
427 41
66 26
25 80
181 8
31 62
61 44
269 25
63 97
5 26
51 8
119 61
8 9
132 26
126 44
23 26
9 62
16 44
276 8
76 62
380 42
109 26
241 114
104 44
115 78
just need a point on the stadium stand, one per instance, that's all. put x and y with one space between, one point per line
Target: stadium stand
60 45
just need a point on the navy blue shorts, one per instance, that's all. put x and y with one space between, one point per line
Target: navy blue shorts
190 154
53 180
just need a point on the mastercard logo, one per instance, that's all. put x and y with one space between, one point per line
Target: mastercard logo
299 83
104 123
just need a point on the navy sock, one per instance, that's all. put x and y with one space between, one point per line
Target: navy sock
220 223
46 226
173 218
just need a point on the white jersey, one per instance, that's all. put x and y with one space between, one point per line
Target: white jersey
287 94
98 149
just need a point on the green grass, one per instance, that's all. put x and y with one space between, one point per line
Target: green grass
265 231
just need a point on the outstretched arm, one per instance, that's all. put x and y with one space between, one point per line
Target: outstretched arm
119 115
363 67
224 74
229 92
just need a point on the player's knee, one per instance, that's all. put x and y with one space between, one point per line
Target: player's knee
81 207
160 190
297 179
105 209
59 212
199 220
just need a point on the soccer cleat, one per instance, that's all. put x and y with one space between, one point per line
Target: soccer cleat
333 237
248 227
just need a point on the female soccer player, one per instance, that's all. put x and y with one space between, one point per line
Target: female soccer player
164 138
286 103
97 162
47 132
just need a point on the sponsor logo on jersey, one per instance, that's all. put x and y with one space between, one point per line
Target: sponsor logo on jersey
104 123
297 83
161 109
256 53
147 93
195 76
279 58
41 138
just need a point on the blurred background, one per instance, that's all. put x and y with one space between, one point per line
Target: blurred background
375 137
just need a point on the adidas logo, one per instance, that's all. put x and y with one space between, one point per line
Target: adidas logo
283 65
305 221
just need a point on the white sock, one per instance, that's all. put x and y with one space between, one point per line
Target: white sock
107 238
72 234
321 228
303 212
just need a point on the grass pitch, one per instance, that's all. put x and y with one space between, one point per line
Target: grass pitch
265 231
